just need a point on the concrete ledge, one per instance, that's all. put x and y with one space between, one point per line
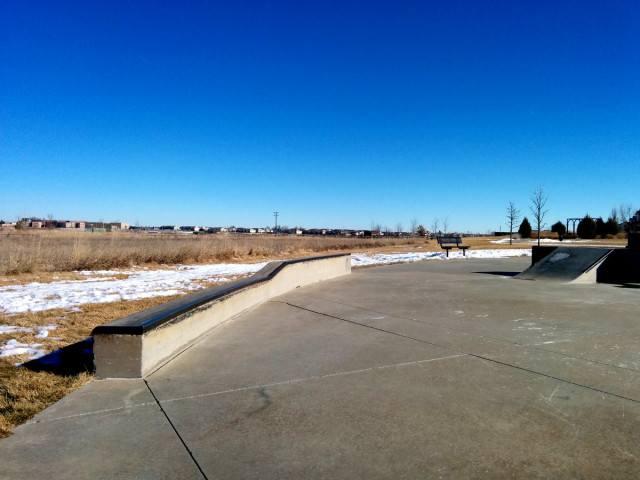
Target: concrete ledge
136 345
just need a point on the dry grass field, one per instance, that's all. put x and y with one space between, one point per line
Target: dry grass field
67 251
55 255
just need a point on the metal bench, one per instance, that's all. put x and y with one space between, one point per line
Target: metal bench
449 242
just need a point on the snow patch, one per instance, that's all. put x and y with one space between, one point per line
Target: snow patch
359 260
14 347
71 294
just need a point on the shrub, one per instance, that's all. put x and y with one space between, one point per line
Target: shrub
612 227
525 228
587 228
559 228
601 228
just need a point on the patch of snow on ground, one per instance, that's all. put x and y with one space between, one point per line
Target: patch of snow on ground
359 260
43 332
11 329
140 284
14 347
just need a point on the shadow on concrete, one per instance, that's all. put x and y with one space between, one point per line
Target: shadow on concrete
501 274
70 360
629 285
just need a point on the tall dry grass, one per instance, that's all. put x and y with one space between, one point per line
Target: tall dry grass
63 251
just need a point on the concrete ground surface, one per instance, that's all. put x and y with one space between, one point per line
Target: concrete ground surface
449 369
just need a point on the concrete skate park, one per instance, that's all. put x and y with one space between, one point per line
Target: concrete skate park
464 368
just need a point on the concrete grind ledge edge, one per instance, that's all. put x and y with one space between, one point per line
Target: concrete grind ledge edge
136 345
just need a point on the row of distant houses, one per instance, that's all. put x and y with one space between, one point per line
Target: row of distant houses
268 230
37 223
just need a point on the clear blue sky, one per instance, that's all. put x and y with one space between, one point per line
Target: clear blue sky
334 113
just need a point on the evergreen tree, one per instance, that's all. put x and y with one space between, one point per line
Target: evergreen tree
601 228
559 228
612 227
525 229
587 228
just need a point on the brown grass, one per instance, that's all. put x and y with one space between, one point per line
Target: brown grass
62 251
24 393
34 252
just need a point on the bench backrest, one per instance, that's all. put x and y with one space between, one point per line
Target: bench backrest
456 240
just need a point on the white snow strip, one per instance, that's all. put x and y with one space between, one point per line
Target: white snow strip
140 284
14 347
43 332
358 260
4 329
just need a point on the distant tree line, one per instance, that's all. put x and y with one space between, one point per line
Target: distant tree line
619 220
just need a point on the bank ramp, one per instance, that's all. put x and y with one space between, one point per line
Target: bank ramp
568 264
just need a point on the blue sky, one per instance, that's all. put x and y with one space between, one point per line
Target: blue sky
336 114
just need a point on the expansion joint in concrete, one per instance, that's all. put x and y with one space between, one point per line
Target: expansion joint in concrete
473 355
175 430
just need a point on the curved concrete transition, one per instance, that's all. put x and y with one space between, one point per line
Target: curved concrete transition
567 264
584 265
136 345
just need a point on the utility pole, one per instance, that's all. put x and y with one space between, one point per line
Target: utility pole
275 214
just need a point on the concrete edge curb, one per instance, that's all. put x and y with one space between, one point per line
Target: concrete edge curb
136 345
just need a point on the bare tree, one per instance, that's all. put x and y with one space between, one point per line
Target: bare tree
445 224
614 215
434 226
624 213
414 226
537 209
513 215
399 228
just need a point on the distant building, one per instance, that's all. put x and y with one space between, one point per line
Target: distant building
120 226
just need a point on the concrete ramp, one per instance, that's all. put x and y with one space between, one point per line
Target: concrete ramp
568 264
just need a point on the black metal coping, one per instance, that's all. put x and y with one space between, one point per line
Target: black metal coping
152 318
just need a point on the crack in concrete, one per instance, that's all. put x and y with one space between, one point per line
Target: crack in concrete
474 355
533 346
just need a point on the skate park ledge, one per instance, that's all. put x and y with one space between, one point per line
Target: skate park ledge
136 345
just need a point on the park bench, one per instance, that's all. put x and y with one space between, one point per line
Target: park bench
449 242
